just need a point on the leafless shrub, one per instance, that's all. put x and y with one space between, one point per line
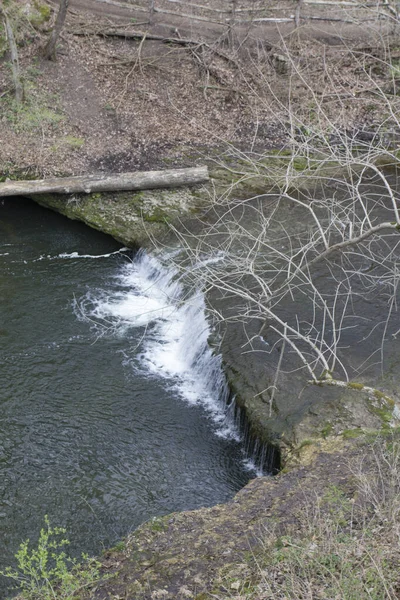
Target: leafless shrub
325 209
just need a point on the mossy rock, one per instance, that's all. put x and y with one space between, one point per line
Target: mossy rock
132 218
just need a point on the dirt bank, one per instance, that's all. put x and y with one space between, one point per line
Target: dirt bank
112 103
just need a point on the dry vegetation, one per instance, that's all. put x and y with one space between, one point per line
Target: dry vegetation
342 546
111 103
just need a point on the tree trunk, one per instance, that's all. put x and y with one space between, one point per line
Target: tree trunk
16 73
106 183
297 17
49 51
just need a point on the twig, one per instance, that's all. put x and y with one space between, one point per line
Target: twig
278 370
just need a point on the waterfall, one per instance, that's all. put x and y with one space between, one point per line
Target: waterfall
150 294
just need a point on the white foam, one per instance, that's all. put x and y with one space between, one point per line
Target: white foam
131 310
176 342
73 255
250 465
77 255
149 293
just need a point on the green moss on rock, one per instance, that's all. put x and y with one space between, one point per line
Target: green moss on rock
355 386
132 218
349 434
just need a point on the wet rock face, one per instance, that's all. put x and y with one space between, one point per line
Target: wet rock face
300 411
132 218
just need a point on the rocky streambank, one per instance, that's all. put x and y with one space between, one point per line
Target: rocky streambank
242 549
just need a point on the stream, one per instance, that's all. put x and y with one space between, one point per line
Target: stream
112 407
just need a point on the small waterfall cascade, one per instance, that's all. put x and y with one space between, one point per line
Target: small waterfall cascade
150 294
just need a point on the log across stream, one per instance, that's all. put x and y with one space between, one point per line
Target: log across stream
106 183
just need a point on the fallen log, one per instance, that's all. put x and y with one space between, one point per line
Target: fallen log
144 180
138 35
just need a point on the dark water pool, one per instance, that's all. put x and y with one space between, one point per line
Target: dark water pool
88 436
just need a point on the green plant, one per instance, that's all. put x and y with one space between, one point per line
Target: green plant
394 69
326 430
41 13
34 113
46 572
74 142
157 524
119 546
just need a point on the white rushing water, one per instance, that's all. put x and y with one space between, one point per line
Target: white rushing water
175 343
149 294
67 255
